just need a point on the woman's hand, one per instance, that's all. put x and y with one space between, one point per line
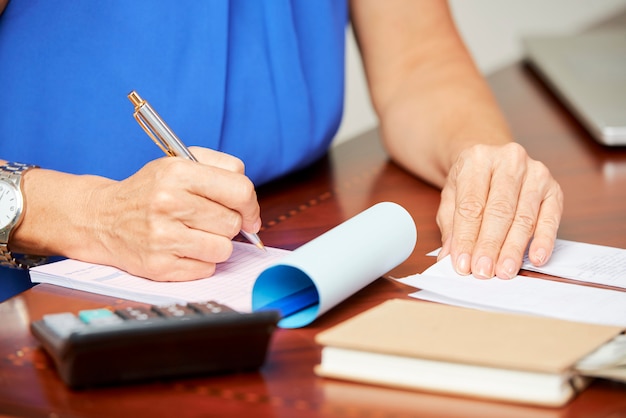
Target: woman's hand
174 219
495 201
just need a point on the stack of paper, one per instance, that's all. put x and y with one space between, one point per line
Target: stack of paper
585 263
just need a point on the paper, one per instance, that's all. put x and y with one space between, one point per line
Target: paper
440 283
585 262
582 262
230 285
339 262
302 284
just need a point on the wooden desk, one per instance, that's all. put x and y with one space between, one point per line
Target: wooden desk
354 176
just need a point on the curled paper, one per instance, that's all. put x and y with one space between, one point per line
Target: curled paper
322 273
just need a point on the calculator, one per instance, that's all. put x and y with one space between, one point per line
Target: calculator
105 347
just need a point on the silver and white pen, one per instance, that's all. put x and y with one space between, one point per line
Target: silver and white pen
170 144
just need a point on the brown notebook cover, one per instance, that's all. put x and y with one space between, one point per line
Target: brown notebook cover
410 329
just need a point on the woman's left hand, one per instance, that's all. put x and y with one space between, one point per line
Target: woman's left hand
495 201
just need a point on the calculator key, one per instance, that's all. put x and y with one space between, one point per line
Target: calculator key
99 317
63 324
137 313
208 308
174 311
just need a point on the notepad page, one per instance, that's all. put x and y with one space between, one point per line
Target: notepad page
230 285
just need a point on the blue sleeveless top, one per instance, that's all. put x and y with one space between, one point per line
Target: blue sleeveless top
262 80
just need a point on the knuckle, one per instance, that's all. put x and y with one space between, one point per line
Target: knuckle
232 224
476 150
526 223
540 168
515 151
161 200
489 245
471 209
209 270
239 166
234 164
558 193
244 192
501 209
223 251
515 148
440 220
154 268
548 223
513 251
247 190
176 168
155 239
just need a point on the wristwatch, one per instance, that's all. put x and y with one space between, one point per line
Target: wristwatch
11 213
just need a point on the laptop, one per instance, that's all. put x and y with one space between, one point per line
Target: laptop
588 73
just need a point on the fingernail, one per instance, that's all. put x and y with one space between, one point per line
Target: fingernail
463 264
257 225
509 268
540 256
484 267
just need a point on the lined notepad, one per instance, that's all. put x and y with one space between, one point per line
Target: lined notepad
231 284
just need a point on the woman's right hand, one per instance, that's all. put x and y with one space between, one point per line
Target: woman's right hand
173 220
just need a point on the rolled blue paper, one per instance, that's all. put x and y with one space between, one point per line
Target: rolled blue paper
314 278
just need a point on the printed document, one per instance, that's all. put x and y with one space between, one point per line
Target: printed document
577 302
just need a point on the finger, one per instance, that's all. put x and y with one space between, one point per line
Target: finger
445 216
177 253
181 270
172 201
205 247
175 238
199 213
229 189
537 218
470 200
547 227
531 195
500 210
218 159
237 192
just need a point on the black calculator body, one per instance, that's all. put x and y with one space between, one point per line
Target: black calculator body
105 347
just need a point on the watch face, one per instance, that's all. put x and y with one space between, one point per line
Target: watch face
9 204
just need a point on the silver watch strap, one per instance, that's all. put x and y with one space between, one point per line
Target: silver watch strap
12 172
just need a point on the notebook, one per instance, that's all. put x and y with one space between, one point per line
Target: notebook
588 73
440 348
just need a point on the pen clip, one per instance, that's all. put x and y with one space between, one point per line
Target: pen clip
155 138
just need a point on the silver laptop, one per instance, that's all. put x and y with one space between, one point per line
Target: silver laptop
588 73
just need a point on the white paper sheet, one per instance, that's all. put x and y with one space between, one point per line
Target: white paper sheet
440 283
585 262
230 285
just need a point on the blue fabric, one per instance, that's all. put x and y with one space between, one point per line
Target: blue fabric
262 80
12 282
